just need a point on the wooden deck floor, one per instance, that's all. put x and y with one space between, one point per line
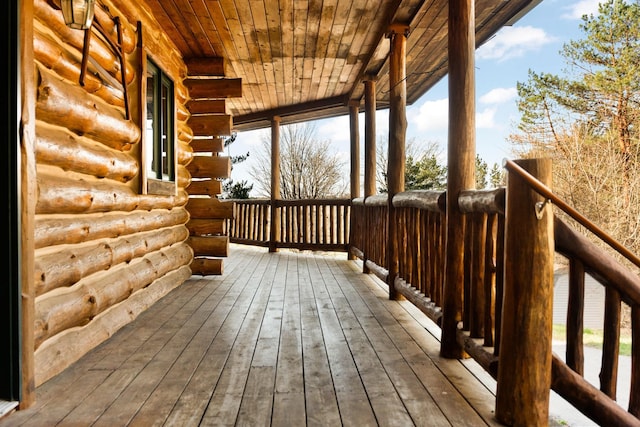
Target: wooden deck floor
284 339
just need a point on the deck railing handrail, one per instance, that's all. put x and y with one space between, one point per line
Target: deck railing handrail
546 192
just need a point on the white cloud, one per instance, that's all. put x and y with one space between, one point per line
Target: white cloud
499 95
485 119
513 42
337 130
431 116
580 8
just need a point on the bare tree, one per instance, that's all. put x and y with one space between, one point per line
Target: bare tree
308 167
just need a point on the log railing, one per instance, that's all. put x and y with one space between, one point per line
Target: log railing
369 234
313 224
506 262
421 226
621 286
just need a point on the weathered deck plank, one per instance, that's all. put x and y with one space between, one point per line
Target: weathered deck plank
281 339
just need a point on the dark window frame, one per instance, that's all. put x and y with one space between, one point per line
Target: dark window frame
160 110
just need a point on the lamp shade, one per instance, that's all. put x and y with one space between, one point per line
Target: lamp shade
77 14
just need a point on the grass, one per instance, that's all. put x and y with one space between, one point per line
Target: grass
593 338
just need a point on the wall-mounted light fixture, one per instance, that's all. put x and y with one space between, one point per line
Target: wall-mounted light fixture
77 14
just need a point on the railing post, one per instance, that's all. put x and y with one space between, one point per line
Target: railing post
369 161
354 110
524 367
274 231
397 146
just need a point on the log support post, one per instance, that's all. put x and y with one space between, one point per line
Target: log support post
397 135
524 368
369 154
28 195
354 111
461 155
274 232
369 137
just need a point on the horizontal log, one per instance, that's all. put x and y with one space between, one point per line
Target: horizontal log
205 187
210 167
434 201
586 398
63 349
65 267
209 207
313 202
185 153
204 227
216 246
63 103
183 176
205 66
358 201
214 88
207 266
598 263
207 106
380 272
61 194
208 145
333 247
101 52
185 133
251 202
486 201
180 91
379 200
128 37
81 228
482 355
50 54
211 124
58 148
356 252
418 299
182 113
77 305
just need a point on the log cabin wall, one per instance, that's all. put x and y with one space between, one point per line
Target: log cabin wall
104 249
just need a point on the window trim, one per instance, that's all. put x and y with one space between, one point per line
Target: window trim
156 180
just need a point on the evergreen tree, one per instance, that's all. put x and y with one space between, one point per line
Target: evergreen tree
481 173
422 170
236 190
588 120
497 176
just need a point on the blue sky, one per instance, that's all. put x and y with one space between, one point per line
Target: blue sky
533 43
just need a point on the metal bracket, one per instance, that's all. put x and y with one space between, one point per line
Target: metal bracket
540 208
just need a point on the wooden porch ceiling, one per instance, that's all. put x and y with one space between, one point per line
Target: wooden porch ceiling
307 59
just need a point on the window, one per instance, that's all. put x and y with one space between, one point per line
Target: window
159 129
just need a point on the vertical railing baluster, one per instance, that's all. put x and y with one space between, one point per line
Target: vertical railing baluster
610 343
575 317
